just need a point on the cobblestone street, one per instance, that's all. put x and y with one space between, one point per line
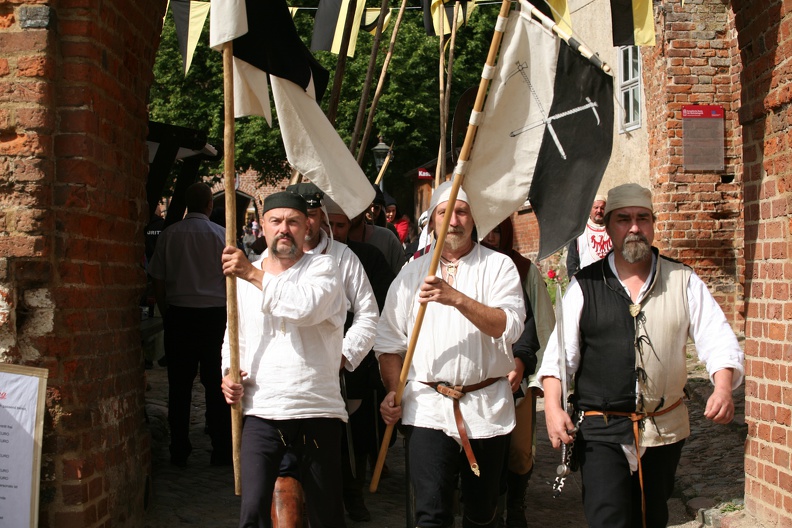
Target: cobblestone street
710 476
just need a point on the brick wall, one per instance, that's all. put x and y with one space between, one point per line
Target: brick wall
74 77
250 184
764 45
526 232
699 213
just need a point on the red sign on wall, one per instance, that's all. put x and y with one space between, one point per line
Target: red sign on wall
424 174
702 112
703 142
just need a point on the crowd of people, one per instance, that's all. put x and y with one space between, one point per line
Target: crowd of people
327 314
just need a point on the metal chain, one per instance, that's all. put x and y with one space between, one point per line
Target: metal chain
564 468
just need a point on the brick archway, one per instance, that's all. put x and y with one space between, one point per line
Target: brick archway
74 78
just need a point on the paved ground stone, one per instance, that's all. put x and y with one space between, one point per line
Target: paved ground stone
203 495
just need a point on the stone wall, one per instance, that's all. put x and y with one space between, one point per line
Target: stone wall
74 77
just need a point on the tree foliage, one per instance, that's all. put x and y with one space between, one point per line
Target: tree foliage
407 114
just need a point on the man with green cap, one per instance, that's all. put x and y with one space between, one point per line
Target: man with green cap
627 320
291 318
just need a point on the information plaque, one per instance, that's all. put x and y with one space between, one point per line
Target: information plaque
22 393
703 137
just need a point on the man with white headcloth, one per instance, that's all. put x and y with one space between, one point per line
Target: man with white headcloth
594 243
457 393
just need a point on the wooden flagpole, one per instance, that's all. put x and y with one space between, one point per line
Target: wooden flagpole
440 166
445 101
569 39
464 155
335 93
380 82
367 83
231 235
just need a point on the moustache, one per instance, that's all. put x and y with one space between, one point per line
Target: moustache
455 230
635 238
284 235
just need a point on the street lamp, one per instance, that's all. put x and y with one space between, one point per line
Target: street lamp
380 151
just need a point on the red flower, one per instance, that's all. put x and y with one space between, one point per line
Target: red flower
551 274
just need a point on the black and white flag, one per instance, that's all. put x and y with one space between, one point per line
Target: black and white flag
545 134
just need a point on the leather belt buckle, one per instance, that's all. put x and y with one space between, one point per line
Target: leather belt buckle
448 391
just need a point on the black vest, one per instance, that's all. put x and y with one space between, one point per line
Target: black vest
605 379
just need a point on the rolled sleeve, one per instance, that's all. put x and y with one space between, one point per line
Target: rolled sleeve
716 344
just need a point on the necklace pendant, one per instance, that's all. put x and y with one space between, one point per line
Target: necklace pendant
635 309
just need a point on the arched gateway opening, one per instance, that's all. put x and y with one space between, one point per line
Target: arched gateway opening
74 77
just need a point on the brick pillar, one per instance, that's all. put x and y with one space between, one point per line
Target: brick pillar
763 42
699 213
74 77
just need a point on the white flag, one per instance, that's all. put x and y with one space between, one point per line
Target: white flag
315 149
502 162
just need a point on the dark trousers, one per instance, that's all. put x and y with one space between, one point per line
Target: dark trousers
316 442
437 463
193 339
612 497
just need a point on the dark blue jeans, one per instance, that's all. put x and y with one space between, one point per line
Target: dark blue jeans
316 442
437 463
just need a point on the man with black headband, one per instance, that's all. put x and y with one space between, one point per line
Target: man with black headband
291 319
359 334
627 320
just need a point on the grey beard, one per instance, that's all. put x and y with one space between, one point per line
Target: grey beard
292 252
636 250
454 242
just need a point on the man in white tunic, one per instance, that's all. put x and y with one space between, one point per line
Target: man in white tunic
627 321
291 319
594 243
457 403
360 331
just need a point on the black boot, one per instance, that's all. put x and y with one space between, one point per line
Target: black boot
515 499
353 489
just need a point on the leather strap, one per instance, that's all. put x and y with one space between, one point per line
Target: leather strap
455 392
636 417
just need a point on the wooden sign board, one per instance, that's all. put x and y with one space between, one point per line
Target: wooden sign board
22 393
703 143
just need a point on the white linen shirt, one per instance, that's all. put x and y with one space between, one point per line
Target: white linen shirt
715 341
451 349
359 338
290 339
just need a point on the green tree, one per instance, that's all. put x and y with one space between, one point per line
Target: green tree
407 114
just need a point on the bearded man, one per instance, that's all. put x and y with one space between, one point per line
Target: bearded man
457 404
593 244
627 320
291 321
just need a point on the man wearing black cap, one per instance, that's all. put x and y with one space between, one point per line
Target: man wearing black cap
360 331
375 213
291 318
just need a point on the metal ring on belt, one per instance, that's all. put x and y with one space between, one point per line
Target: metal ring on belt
455 392
636 417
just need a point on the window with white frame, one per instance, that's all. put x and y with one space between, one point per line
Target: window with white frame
630 88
